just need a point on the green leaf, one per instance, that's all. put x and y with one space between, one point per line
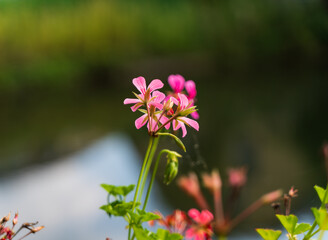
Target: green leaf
143 234
141 216
301 228
176 139
269 234
289 222
166 235
321 193
117 208
118 190
321 217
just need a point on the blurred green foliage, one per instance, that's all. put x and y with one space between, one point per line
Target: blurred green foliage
57 43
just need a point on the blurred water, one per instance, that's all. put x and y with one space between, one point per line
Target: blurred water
65 195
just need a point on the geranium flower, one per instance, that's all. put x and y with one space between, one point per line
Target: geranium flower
202 229
177 83
155 117
145 92
184 109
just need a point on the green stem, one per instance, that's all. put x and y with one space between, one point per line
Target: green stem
149 162
140 176
153 177
222 237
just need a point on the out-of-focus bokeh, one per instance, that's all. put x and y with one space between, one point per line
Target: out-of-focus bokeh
260 67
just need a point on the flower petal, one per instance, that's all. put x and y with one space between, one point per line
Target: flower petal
139 122
140 84
136 106
195 115
183 100
184 130
205 217
191 89
159 96
155 84
190 122
156 104
190 233
176 125
193 213
176 82
131 100
164 120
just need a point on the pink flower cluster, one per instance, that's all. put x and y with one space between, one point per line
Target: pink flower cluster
160 110
197 226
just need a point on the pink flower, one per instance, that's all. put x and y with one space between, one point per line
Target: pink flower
190 184
191 90
202 230
184 108
145 92
156 98
212 181
237 177
176 82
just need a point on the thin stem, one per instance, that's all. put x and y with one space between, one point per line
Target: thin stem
149 162
219 215
248 211
168 121
140 176
153 177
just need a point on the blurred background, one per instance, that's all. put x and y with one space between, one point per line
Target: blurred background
260 67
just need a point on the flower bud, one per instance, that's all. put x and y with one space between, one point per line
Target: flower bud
190 184
212 181
237 177
168 104
15 219
172 166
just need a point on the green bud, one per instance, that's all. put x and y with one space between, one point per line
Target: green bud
172 166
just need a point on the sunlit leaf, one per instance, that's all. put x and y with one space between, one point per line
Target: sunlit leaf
269 234
118 190
321 217
321 193
289 222
166 235
301 228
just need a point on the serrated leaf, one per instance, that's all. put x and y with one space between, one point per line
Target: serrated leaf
301 228
269 234
321 193
321 217
289 222
118 190
166 235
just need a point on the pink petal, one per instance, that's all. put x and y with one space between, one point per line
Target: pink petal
155 84
205 217
164 120
157 105
184 130
131 100
190 122
191 89
195 115
176 82
200 236
139 122
140 84
136 106
193 213
176 125
154 125
190 233
159 96
183 100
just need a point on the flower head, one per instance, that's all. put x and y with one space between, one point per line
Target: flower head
145 92
237 177
202 229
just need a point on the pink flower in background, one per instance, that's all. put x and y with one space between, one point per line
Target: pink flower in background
191 90
237 177
180 121
145 92
202 230
177 83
